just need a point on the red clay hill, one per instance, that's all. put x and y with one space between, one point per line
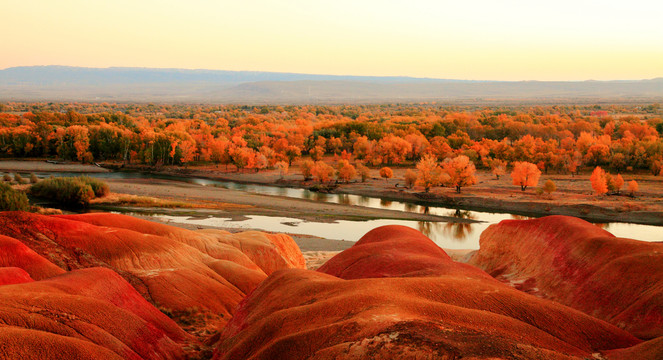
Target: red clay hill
196 277
395 295
83 314
88 287
582 266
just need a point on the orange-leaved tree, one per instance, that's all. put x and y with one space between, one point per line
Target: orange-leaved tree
460 171
386 173
632 187
428 172
410 178
497 167
525 174
306 168
617 183
345 171
282 167
364 171
322 171
599 181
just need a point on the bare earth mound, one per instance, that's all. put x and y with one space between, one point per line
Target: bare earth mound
580 265
196 277
85 314
410 304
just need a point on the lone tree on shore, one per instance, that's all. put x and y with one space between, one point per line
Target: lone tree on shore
599 181
428 172
632 187
386 173
460 171
525 174
549 187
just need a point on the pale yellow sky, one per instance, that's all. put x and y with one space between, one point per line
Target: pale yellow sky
471 39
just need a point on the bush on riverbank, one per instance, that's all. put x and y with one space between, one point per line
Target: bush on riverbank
12 200
70 190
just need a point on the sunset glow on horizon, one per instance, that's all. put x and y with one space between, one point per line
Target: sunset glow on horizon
479 40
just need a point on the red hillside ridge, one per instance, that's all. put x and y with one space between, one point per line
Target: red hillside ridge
578 264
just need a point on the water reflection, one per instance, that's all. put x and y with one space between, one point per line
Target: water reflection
458 231
385 203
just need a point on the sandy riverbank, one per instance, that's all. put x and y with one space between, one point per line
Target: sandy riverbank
573 197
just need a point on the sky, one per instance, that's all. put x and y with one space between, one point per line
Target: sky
460 39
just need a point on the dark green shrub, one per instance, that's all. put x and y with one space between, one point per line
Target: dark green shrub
70 191
12 200
7 177
33 178
99 187
19 179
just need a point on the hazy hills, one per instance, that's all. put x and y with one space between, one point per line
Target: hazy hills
61 83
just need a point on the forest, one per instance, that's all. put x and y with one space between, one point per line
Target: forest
557 139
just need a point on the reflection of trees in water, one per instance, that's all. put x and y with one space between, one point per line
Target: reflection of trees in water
456 231
344 199
364 200
410 207
462 214
384 202
430 228
320 196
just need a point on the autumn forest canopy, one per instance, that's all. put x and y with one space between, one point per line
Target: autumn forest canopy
562 139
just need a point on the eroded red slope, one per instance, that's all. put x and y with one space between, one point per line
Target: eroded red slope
182 272
395 250
15 253
406 299
269 252
89 313
578 264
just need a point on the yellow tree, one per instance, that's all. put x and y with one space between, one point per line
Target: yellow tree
410 178
345 171
282 167
525 174
632 187
428 174
460 171
364 171
322 171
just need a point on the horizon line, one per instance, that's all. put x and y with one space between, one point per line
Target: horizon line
319 74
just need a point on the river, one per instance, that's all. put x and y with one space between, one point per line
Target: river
446 234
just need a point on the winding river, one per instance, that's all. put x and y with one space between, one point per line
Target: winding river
446 234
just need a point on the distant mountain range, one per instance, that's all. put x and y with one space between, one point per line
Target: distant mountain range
122 84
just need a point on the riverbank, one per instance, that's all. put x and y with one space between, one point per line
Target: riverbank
573 197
